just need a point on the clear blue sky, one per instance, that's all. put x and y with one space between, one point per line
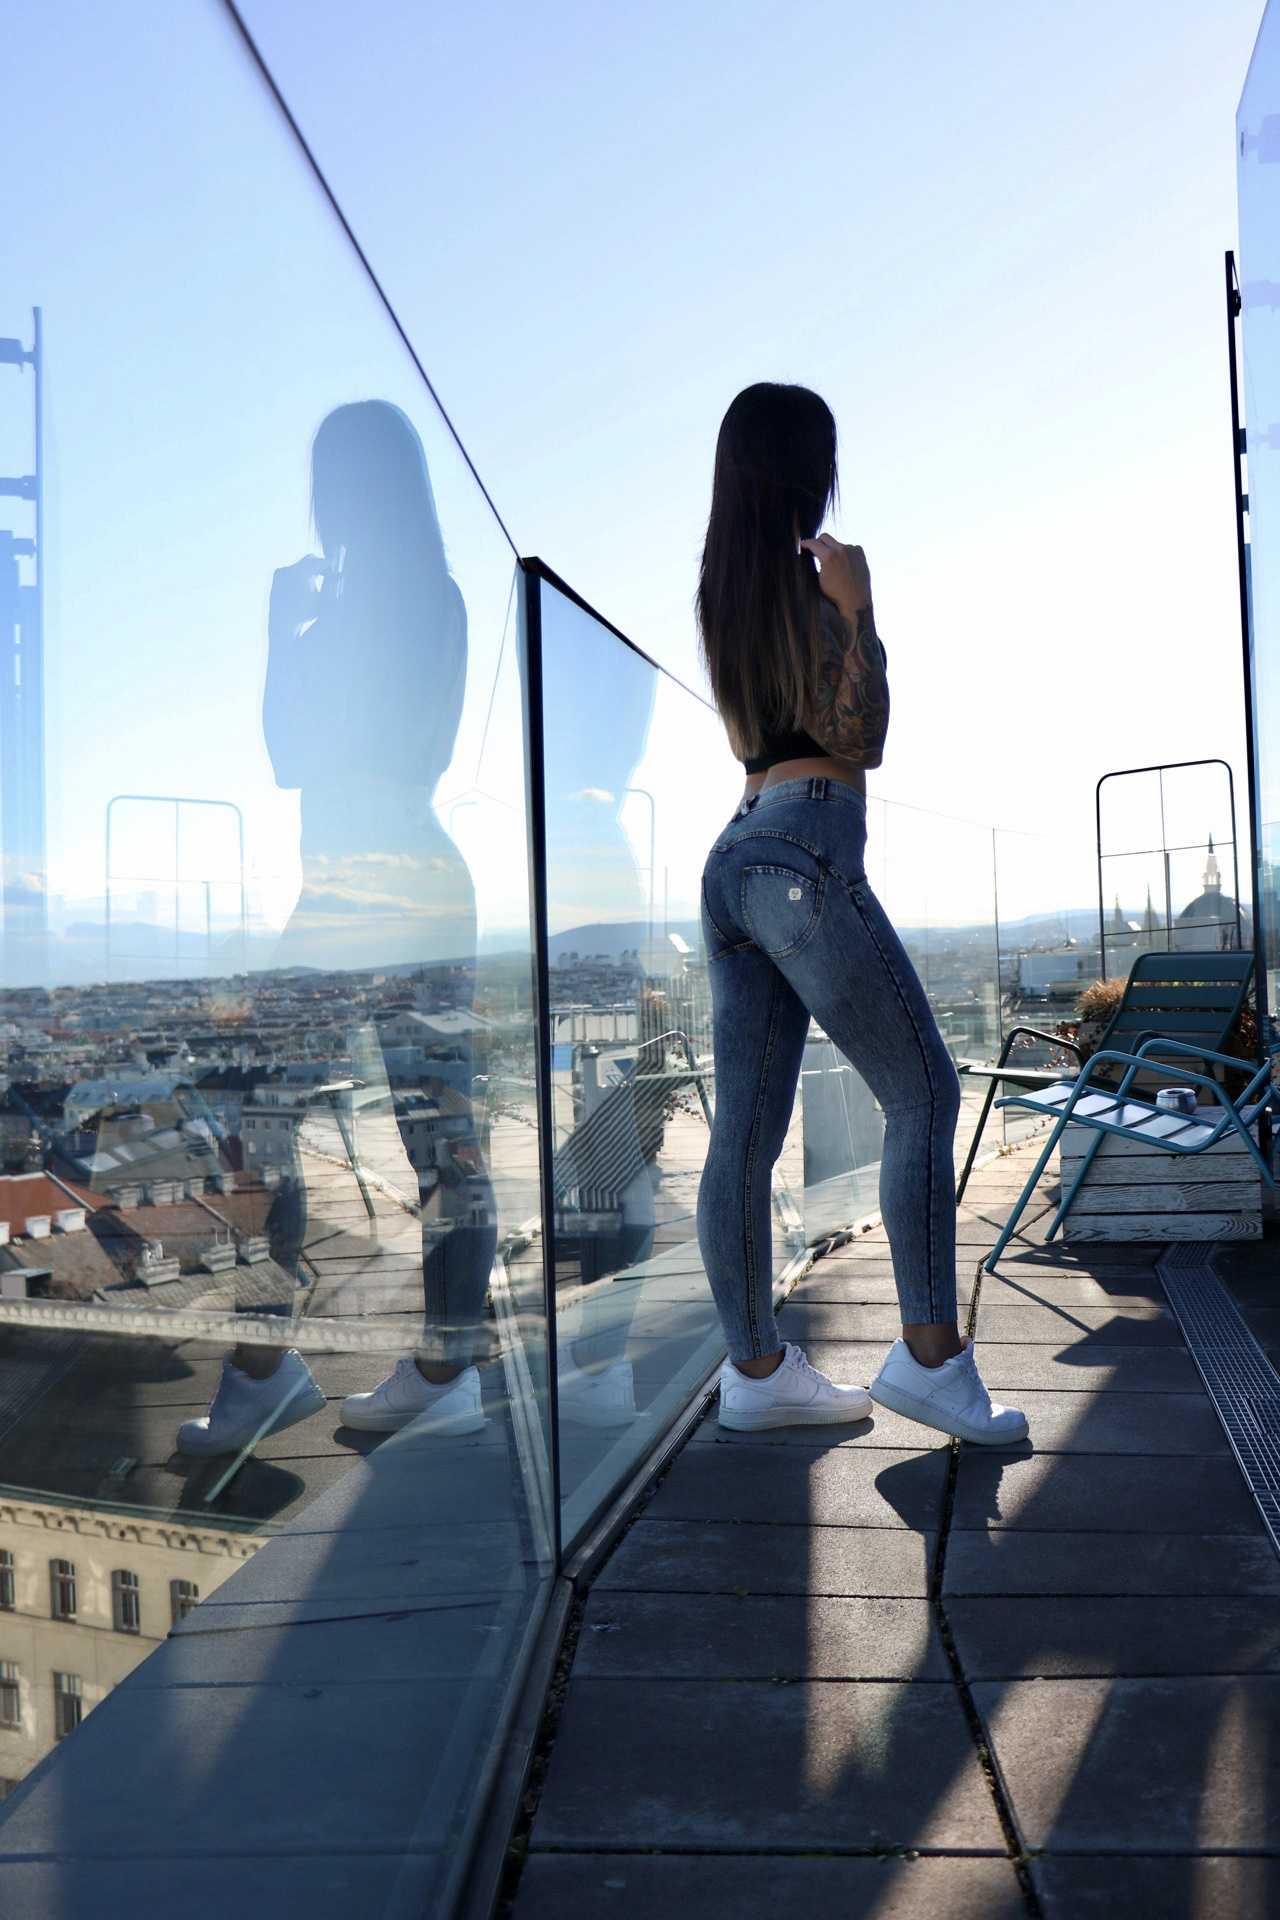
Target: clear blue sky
990 235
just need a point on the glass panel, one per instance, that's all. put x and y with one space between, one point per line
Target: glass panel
629 1032
935 878
628 830
1175 890
1047 894
1258 148
269 1134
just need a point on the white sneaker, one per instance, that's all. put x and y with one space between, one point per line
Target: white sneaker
951 1397
606 1398
244 1410
452 1406
795 1394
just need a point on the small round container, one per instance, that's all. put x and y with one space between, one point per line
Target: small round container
1176 1100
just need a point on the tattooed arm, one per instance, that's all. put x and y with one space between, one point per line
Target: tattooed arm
849 707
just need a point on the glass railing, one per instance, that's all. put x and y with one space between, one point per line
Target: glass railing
274 1404
348 1263
1259 276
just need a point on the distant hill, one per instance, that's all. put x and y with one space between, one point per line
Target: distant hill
613 938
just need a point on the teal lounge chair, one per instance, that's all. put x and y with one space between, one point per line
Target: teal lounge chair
1077 1103
1189 997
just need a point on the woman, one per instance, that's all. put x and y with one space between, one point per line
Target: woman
792 930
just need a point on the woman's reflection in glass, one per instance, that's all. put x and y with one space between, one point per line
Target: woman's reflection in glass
366 675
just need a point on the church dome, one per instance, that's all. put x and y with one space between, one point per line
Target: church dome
1210 920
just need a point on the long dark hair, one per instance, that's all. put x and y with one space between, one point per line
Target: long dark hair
758 602
373 505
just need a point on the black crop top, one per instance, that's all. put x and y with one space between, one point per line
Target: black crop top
785 746
797 745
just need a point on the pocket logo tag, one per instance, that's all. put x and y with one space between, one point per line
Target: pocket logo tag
795 893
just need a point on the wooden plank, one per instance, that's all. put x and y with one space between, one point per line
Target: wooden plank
1162 1226
1218 1196
1134 1169
1075 1140
1192 1025
1149 994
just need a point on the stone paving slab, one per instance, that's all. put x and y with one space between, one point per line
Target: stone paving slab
882 1428
806 1321
604 1886
1120 1290
1138 1766
685 1556
1108 1563
758 1637
1053 1635
124 1762
841 1486
863 1286
1062 1325
760 1667
1012 1368
433 1641
830 1765
1085 1256
1202 1887
1131 1423
390 1886
1101 1493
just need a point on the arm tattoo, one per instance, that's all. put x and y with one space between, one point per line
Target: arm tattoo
849 706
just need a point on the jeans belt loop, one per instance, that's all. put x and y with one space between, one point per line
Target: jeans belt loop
820 786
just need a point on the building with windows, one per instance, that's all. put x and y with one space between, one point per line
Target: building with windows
85 1594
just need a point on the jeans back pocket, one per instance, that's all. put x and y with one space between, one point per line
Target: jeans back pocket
780 907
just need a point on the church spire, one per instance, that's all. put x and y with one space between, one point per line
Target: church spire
1212 873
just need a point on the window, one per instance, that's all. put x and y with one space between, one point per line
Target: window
126 1602
183 1595
62 1589
10 1694
8 1596
68 1707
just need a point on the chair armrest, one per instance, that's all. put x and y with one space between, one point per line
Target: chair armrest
1200 1053
1038 1033
1136 1060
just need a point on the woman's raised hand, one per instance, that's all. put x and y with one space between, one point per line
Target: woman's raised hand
843 574
295 592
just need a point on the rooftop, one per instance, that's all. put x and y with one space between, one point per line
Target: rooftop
954 1681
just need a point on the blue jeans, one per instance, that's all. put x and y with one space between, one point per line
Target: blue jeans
792 930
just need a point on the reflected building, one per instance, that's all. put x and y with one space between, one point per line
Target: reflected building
86 1593
1214 918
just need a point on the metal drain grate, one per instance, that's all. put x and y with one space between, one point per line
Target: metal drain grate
1242 1384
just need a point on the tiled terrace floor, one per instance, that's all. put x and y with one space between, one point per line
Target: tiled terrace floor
861 1672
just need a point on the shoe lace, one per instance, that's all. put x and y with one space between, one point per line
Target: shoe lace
977 1384
398 1373
805 1366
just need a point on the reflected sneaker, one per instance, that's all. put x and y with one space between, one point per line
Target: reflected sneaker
794 1395
244 1409
452 1406
606 1398
951 1397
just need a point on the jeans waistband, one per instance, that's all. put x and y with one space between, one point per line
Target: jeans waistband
811 786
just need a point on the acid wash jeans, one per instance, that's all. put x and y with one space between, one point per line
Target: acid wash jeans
792 929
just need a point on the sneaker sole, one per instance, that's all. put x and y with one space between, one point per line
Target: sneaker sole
912 1409
793 1417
